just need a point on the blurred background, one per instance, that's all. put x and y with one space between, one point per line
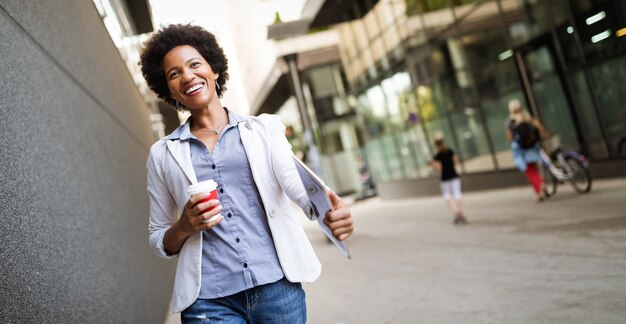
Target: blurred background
361 85
373 81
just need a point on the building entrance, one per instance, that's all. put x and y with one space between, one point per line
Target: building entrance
546 92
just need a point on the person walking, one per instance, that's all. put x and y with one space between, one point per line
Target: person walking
444 162
368 186
247 265
525 132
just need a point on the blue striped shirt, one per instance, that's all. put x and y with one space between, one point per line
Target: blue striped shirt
239 253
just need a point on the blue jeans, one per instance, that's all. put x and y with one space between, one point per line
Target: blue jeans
278 302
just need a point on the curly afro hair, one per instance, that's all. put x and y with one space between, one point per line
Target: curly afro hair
164 40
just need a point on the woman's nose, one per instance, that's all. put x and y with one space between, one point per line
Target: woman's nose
187 76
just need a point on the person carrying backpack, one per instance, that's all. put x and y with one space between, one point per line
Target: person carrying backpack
524 133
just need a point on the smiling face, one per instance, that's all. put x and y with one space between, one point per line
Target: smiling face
189 76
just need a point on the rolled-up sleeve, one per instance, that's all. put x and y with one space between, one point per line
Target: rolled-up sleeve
162 205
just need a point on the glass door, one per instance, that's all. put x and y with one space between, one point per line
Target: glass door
547 89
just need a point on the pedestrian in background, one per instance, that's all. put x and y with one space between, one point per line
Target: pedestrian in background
368 186
248 264
444 162
525 132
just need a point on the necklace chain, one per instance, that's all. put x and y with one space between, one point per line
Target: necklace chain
214 132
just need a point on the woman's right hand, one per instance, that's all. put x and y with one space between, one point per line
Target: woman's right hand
191 221
194 220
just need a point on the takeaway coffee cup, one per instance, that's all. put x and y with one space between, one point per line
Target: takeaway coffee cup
205 186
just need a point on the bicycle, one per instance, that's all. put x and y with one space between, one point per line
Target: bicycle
565 166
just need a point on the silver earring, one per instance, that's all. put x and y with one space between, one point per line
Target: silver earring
179 106
217 84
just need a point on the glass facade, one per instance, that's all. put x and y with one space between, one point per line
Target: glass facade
419 68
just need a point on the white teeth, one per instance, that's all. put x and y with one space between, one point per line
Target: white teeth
194 88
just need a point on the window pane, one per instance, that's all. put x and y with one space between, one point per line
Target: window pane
392 157
587 116
491 62
612 100
550 96
376 153
597 23
407 152
421 150
470 134
526 19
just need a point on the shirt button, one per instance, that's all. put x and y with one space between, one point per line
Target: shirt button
213 166
245 265
221 190
237 240
229 215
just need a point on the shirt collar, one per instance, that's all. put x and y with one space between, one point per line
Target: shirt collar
234 119
181 133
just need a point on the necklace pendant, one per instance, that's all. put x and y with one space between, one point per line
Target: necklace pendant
215 132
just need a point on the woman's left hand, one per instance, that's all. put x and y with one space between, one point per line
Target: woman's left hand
339 219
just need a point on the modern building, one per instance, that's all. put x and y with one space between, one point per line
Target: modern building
74 137
411 69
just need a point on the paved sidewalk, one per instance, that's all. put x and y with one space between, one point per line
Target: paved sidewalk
561 261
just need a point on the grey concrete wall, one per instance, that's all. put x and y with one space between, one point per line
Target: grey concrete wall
74 137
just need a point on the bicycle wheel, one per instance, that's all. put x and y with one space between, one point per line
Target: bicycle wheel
549 181
581 178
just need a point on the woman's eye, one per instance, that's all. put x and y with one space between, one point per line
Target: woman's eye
195 64
173 75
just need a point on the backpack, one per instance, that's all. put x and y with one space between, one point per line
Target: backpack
526 135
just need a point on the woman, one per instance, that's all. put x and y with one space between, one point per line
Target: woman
444 162
524 133
247 265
